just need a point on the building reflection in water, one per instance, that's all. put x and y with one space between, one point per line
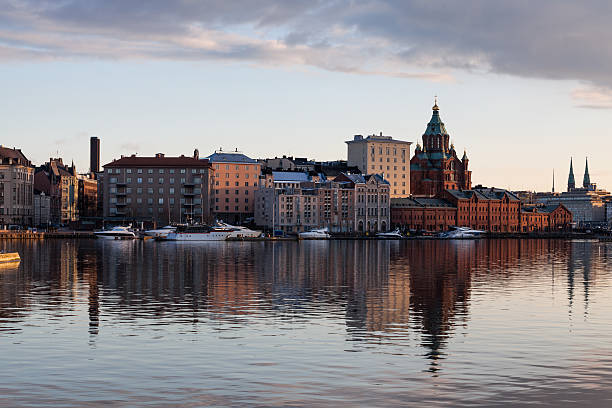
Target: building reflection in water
400 294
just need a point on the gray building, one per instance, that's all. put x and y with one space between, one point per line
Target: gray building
42 209
157 190
16 188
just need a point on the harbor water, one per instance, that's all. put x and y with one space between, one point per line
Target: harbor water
499 322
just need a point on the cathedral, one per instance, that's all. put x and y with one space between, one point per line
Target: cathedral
586 180
435 166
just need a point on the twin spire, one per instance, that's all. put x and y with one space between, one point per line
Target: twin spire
571 181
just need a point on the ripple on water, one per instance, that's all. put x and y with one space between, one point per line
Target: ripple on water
343 323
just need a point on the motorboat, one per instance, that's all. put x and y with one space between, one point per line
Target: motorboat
9 257
320 233
461 232
239 231
395 234
118 232
197 233
160 232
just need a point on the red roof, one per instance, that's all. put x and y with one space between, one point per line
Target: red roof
181 161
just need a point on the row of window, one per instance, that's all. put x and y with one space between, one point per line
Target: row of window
150 180
160 190
237 183
152 171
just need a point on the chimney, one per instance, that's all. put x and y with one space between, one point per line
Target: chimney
159 155
94 154
196 154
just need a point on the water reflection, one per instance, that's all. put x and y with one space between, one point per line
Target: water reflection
414 299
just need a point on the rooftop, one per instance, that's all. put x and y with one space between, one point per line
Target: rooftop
290 176
158 160
234 157
376 138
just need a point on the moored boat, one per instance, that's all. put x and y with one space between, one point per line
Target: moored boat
461 233
118 232
160 232
319 233
390 234
198 233
239 231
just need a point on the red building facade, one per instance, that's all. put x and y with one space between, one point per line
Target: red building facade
487 209
435 166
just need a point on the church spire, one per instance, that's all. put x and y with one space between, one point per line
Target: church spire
571 182
586 181
553 189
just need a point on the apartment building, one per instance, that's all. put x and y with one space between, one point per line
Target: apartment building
236 178
87 202
158 190
293 202
16 188
383 155
59 181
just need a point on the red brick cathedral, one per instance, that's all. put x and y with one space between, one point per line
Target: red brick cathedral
435 166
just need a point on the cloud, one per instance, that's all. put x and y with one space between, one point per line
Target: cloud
424 39
593 97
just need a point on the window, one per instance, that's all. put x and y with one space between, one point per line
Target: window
183 171
113 179
150 180
161 171
139 200
171 171
128 171
128 180
139 180
150 171
139 171
160 180
149 201
171 190
171 201
160 190
150 190
171 180
160 201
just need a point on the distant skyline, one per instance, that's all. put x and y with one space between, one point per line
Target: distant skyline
521 87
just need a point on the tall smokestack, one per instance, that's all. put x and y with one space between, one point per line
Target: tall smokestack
94 154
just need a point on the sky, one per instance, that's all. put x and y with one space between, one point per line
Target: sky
522 86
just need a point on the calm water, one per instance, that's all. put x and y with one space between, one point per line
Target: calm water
342 323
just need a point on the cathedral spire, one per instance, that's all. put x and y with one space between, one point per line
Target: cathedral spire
586 181
571 182
553 189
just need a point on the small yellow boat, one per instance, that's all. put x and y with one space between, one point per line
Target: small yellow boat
9 257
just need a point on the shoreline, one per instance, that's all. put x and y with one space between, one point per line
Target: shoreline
23 235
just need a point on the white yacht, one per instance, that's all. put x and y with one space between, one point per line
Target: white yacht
160 232
239 231
461 232
198 233
320 233
118 232
390 234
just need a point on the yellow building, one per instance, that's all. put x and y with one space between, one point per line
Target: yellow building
378 154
